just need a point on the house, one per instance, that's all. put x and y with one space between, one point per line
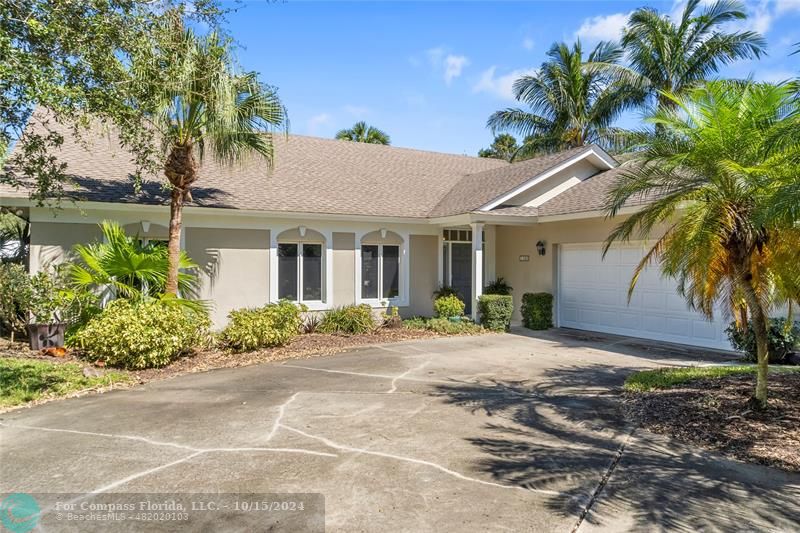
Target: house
336 222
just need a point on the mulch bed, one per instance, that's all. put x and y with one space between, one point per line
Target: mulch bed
715 414
302 346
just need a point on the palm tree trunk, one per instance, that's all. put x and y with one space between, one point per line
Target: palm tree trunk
759 321
181 171
174 243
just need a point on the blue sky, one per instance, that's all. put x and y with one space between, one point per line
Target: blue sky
430 73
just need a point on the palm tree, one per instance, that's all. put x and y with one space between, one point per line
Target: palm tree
709 176
573 101
361 133
675 56
504 146
123 266
203 107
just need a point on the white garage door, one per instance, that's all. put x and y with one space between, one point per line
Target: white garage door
593 296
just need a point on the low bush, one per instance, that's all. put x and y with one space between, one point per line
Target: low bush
537 310
783 340
496 310
448 306
15 298
415 322
498 286
145 334
444 326
445 290
350 319
262 327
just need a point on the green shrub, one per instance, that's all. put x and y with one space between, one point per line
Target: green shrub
496 310
445 290
262 327
498 286
15 298
537 310
415 322
783 340
444 326
145 334
447 306
351 319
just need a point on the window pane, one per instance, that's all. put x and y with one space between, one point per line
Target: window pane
312 272
391 271
369 271
287 271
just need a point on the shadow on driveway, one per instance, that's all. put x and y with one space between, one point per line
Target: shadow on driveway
570 423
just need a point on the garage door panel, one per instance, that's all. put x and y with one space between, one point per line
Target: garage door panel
593 296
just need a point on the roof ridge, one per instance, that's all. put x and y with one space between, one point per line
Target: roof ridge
500 162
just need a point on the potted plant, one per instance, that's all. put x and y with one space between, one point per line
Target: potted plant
48 307
392 319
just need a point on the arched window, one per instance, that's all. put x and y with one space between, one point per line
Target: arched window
301 265
381 265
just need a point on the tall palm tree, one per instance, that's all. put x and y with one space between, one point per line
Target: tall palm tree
203 107
573 101
361 133
709 176
674 56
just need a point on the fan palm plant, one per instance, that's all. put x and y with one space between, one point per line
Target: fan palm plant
202 107
708 177
124 266
672 57
361 133
573 101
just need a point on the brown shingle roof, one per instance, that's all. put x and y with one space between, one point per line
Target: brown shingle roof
476 190
589 195
310 175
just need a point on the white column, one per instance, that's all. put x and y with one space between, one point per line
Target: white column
490 250
477 267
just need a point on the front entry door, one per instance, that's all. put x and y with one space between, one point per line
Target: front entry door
461 272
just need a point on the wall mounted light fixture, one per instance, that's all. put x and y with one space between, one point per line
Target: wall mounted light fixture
541 247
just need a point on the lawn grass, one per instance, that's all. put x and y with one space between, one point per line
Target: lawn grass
664 378
26 380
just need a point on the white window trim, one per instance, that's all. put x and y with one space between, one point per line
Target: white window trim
403 279
376 301
327 267
300 266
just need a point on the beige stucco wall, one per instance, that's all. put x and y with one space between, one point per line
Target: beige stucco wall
154 231
234 268
538 274
423 271
344 268
51 242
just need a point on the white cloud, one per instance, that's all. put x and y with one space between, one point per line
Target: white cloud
450 65
787 6
317 121
453 65
527 43
602 27
500 86
356 111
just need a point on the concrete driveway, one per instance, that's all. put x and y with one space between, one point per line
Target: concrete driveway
502 432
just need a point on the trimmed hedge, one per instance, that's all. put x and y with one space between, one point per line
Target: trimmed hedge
350 319
262 327
143 334
448 306
537 310
496 310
